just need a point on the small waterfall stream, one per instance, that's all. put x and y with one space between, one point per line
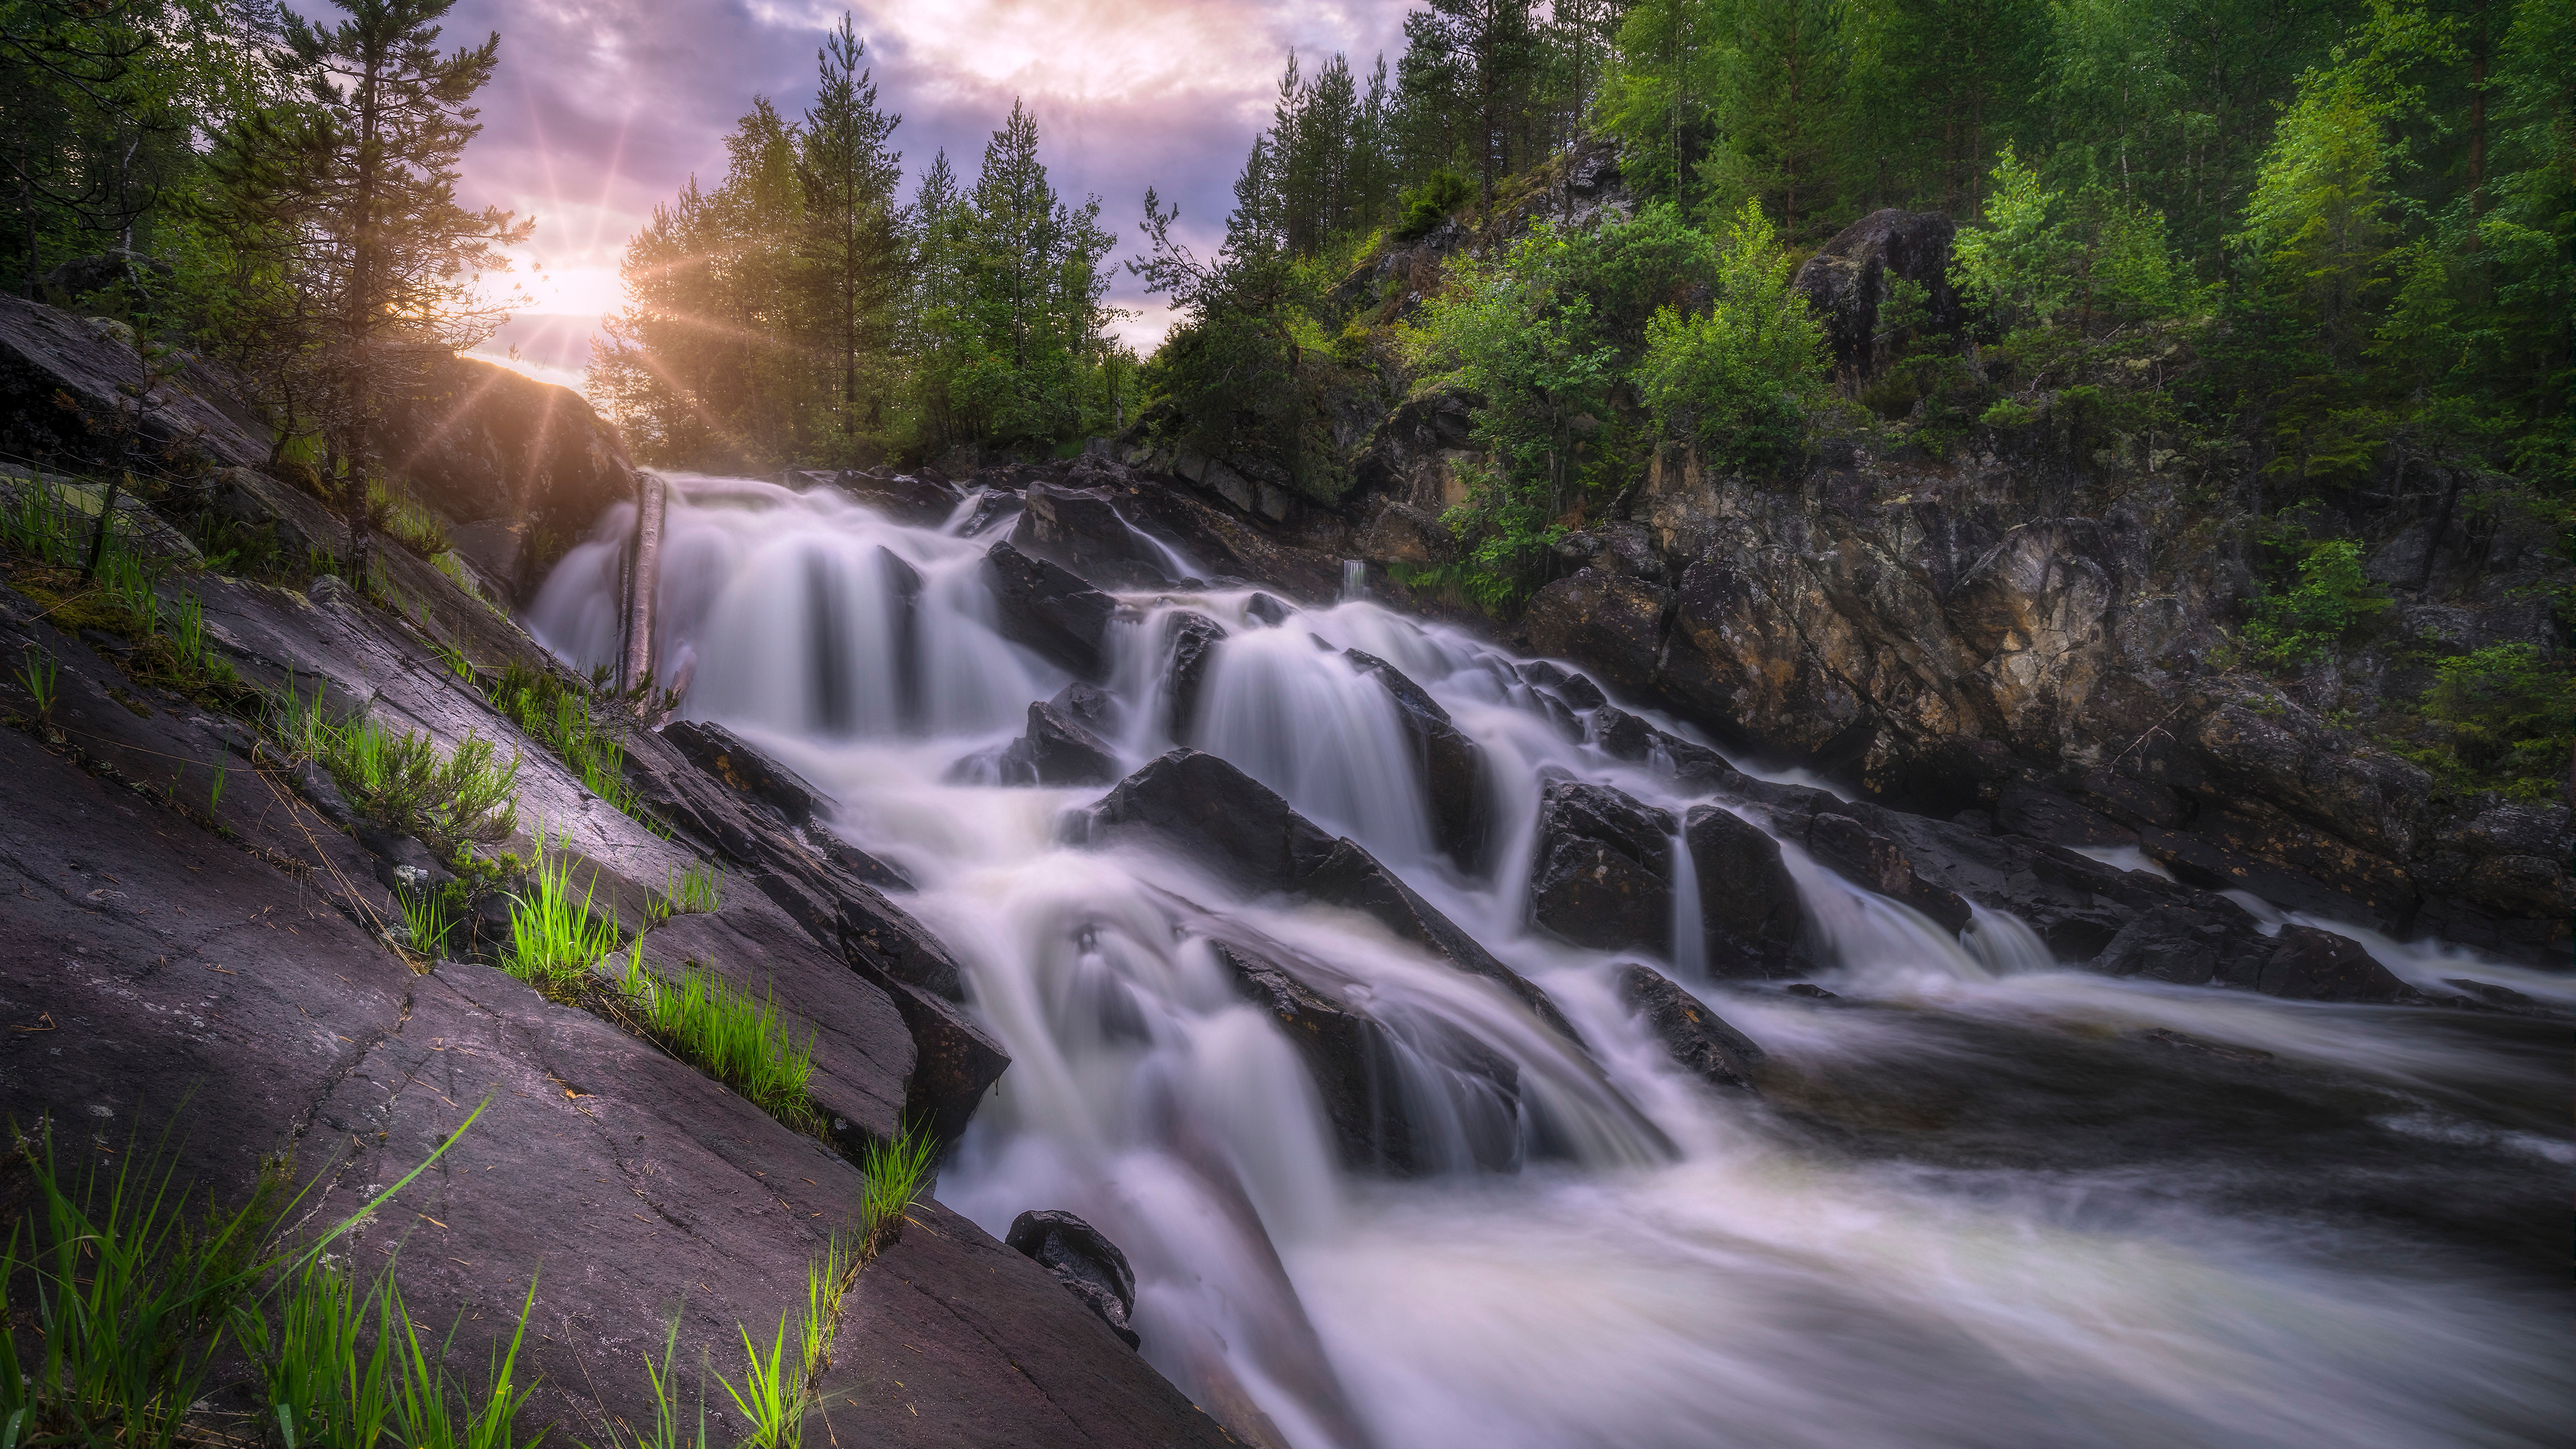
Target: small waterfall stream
1966 1210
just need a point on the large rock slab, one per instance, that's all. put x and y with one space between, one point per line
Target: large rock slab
1081 529
47 354
1848 279
1050 609
1698 1039
1603 873
1748 901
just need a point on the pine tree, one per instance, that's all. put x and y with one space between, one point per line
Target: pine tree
851 243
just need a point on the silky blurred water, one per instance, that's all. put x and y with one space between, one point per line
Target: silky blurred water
1975 1203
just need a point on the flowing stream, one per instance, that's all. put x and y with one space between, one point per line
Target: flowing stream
1973 1205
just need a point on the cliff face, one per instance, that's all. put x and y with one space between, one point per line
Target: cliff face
2047 607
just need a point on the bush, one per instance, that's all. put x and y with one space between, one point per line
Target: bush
2309 618
2508 710
403 780
1421 209
1738 380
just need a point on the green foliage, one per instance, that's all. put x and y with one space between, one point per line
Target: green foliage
39 521
429 916
404 780
1739 380
566 719
2325 599
1421 209
554 938
407 521
744 1042
770 1398
897 1172
699 890
41 675
2510 713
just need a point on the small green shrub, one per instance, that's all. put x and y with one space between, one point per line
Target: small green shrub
1422 208
38 521
1739 380
42 676
897 1172
403 780
406 521
563 718
741 1041
2508 711
2327 598
699 890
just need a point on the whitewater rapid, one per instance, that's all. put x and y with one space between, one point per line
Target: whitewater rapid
1972 1206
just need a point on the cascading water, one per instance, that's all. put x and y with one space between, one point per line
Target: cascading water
1967 1210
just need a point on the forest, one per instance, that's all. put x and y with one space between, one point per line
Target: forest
2299 253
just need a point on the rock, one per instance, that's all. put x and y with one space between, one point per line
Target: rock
1404 534
1697 770
83 275
1603 873
204 412
2045 815
1221 820
1577 691
1082 530
1367 1091
1087 1264
1613 624
1453 767
1699 1040
1846 281
1042 605
488 446
903 497
1089 705
2312 965
1811 991
1871 860
1267 610
1060 750
993 506
2186 946
714 749
1194 637
2165 1036
2488 992
1748 901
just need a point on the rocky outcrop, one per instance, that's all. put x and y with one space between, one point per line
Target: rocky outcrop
1748 902
1848 280
1088 1265
1210 813
1698 1039
1453 767
201 417
1193 639
523 467
1081 529
1060 749
1049 609
1603 873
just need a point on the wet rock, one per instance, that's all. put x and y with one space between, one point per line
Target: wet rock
1089 705
2488 992
1266 610
2045 815
1811 991
1697 769
716 750
1748 901
1578 691
1847 281
1699 1040
2312 965
993 507
1089 1265
2165 1036
1353 1061
1194 637
1060 750
1453 766
1049 609
1611 623
903 497
1081 529
1603 873
1873 861
1212 814
2186 946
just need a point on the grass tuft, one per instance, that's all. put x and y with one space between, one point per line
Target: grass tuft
897 1172
699 890
741 1041
555 939
403 780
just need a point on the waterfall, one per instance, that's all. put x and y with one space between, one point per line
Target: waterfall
1583 1244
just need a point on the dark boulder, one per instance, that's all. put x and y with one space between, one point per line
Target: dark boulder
1847 281
2046 815
1049 609
1089 1266
1212 814
1082 530
1699 1040
1874 862
1697 769
1367 1091
1578 691
1614 624
1603 874
49 357
715 749
1453 766
902 497
1748 901
1194 637
2312 965
1061 750
1264 609
1089 705
2186 946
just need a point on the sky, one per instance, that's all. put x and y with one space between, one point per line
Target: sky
602 108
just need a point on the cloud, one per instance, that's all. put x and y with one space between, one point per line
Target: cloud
600 110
